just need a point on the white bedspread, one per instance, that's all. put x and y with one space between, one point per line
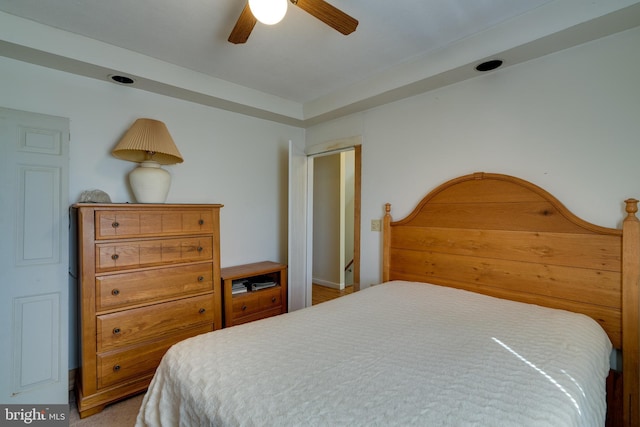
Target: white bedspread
399 353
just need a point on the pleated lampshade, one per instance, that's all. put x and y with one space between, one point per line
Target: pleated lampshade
148 139
148 143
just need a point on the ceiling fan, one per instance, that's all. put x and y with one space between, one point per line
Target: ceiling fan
320 9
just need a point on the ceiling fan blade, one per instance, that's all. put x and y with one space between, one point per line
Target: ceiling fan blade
328 14
243 27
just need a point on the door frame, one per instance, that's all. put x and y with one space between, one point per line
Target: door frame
333 147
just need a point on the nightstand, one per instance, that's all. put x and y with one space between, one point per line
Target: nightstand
253 291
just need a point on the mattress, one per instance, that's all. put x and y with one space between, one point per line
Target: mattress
398 353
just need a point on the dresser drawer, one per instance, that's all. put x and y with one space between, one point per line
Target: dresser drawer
252 302
148 253
118 366
139 324
141 223
126 289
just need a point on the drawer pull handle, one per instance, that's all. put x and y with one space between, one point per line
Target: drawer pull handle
115 224
115 257
200 278
273 299
199 248
201 222
116 368
202 310
116 331
115 292
244 307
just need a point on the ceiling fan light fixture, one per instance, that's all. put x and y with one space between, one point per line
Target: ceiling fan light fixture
268 12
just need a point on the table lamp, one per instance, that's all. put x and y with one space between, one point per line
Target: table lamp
148 143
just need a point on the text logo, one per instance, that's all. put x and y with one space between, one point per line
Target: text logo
36 415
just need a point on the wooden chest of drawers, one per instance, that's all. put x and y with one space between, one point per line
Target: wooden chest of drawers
149 277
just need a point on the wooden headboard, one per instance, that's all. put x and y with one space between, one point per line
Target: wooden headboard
505 237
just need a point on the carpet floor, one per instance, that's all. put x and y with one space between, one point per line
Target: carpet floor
120 414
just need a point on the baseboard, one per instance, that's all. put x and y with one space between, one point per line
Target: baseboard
327 284
72 379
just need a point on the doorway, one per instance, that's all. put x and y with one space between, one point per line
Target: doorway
334 195
300 228
333 219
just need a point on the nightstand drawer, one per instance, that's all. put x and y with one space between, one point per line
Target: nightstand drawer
118 366
251 302
127 224
245 304
270 298
126 289
136 325
148 253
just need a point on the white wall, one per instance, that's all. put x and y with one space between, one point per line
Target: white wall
568 122
231 159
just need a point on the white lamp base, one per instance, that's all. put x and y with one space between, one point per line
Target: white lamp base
149 182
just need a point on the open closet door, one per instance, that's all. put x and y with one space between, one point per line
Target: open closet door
299 275
34 260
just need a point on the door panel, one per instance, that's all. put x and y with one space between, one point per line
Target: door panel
39 215
34 258
36 348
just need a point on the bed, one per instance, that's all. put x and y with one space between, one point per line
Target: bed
498 307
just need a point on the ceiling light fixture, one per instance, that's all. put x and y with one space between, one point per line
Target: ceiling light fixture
489 65
268 12
123 80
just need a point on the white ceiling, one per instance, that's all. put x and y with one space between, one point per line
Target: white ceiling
299 71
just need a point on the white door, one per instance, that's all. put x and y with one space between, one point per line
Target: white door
34 258
299 276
